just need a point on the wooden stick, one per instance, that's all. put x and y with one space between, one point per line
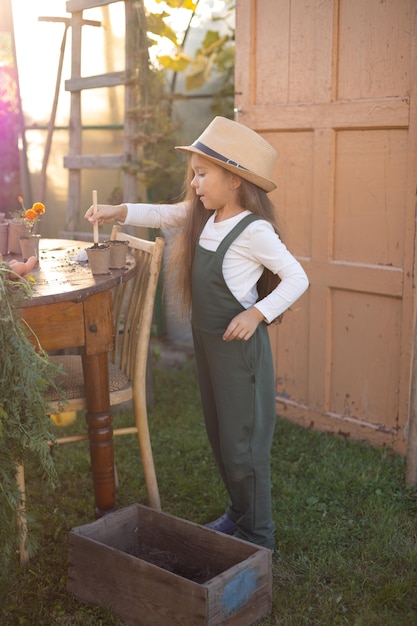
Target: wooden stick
95 225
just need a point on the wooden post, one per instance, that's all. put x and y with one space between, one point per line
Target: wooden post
130 123
75 139
21 516
51 124
411 471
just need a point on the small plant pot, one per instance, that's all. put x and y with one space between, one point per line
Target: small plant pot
99 258
16 230
29 246
118 253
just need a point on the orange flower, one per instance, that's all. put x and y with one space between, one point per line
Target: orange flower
38 208
31 215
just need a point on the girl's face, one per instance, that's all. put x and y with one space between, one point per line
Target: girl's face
215 186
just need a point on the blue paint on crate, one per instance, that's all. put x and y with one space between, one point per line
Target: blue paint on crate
238 591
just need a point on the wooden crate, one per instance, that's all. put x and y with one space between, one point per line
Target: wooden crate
151 568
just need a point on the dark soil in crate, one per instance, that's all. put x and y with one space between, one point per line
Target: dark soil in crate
171 563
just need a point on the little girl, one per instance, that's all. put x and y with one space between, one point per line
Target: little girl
235 277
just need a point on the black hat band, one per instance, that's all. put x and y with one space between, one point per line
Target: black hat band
216 155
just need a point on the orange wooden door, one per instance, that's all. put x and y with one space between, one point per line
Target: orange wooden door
332 85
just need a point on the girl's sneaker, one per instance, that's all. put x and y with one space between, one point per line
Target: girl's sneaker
222 524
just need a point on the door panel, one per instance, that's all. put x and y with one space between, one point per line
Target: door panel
331 84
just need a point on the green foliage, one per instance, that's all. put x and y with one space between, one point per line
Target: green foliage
156 165
180 4
210 55
346 522
224 97
157 26
25 428
206 59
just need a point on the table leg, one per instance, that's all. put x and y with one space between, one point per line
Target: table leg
100 431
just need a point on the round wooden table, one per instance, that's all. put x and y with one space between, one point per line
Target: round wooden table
72 308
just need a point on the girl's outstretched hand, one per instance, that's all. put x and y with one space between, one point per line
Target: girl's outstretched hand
243 325
107 213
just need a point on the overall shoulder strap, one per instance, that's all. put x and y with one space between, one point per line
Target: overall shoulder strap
235 232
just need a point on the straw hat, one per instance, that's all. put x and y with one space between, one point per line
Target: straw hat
238 149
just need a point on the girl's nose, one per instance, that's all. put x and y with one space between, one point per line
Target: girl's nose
194 182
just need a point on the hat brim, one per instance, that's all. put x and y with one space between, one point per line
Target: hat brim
264 183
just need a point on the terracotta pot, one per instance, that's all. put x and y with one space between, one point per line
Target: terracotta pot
29 246
4 237
16 230
118 253
99 258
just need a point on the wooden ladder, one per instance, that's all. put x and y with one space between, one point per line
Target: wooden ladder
75 162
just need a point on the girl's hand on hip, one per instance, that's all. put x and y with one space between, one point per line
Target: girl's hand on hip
243 325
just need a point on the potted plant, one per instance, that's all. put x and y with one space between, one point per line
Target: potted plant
29 241
25 426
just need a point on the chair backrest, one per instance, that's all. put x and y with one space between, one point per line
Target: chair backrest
133 304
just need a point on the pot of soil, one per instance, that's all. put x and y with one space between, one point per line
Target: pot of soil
99 258
118 253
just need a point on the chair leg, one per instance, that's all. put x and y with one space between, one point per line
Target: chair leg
21 516
145 450
116 477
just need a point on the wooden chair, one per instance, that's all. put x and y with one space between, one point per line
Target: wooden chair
133 305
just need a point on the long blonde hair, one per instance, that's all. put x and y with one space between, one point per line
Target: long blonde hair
180 259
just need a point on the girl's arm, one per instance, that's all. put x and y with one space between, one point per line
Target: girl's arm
148 215
268 249
107 213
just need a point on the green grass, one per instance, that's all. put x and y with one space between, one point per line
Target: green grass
346 522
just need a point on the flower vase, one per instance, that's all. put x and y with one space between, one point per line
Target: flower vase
16 230
29 246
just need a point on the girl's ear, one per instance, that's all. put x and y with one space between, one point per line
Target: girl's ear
234 181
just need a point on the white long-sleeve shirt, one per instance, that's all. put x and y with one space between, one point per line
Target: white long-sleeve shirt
258 246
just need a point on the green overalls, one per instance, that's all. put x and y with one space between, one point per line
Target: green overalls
237 388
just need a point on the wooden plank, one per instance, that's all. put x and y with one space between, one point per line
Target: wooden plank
98 319
318 336
80 5
387 112
374 42
271 52
324 44
61 325
387 281
94 161
345 426
408 390
136 591
112 79
75 135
